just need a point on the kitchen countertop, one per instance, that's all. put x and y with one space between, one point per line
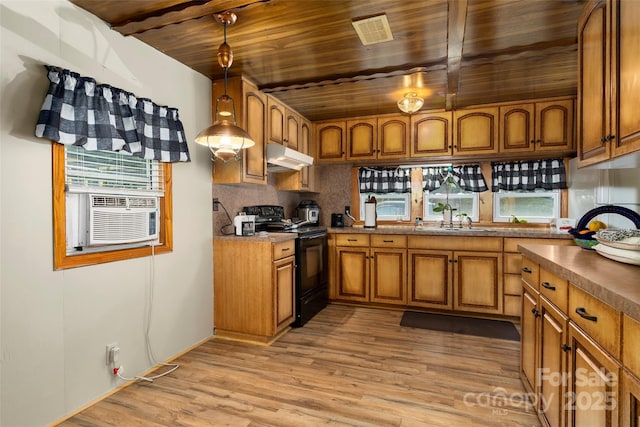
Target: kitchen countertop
613 282
266 238
539 233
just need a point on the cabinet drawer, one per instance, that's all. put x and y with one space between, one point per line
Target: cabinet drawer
512 263
512 305
511 243
530 272
284 249
388 241
352 240
598 319
484 244
631 344
512 284
554 288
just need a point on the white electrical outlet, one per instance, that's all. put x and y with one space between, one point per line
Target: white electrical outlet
113 353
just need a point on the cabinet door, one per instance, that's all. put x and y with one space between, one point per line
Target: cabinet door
630 400
353 273
276 119
593 83
626 63
554 125
553 338
517 128
292 128
361 139
475 131
592 397
431 134
331 141
430 279
283 287
393 137
254 158
478 282
388 276
529 338
304 146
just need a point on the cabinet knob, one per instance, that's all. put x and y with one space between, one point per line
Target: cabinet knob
538 141
533 141
526 269
566 347
582 312
548 285
611 137
603 139
535 312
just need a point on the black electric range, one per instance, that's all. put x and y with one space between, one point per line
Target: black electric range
312 269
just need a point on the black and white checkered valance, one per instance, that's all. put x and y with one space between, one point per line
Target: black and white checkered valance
468 177
384 180
78 111
528 175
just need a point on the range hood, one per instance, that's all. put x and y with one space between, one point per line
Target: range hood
283 159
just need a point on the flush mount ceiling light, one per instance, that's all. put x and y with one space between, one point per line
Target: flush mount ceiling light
410 103
225 138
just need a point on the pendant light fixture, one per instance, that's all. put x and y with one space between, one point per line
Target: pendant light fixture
410 103
225 138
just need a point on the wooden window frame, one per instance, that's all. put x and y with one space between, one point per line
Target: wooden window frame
63 261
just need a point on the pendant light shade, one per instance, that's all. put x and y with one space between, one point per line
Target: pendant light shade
225 138
410 103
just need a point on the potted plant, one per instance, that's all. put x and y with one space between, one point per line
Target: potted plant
446 210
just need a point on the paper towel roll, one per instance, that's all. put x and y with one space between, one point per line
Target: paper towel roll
370 215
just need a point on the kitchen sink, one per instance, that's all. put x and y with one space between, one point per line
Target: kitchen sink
453 230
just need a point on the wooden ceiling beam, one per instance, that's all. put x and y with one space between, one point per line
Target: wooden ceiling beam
456 26
176 14
361 76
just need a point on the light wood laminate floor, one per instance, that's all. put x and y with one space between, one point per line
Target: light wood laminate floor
347 367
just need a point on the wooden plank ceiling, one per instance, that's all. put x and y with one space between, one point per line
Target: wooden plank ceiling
454 53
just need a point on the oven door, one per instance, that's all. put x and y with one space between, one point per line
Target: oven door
312 263
312 289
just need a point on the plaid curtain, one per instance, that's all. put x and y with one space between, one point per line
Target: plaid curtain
468 177
77 111
384 180
528 175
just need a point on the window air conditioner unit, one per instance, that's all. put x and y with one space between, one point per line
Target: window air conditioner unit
114 219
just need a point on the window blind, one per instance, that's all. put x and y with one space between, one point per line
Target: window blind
106 169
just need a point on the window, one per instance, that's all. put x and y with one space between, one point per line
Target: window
538 206
389 206
77 171
461 202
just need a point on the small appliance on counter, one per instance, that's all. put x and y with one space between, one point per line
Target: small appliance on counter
309 212
337 220
244 224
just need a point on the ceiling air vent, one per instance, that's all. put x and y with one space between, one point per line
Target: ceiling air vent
373 29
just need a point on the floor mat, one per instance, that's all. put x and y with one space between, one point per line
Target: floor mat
461 325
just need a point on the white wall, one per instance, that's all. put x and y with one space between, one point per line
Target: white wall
597 185
54 325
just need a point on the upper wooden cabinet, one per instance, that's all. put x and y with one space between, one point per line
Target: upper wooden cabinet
304 179
362 139
284 124
393 137
432 134
251 108
331 141
535 127
475 131
608 80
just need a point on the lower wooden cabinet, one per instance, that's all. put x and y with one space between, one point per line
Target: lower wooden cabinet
254 303
553 362
430 279
371 274
570 358
630 400
593 394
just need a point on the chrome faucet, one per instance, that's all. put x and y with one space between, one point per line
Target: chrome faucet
469 222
